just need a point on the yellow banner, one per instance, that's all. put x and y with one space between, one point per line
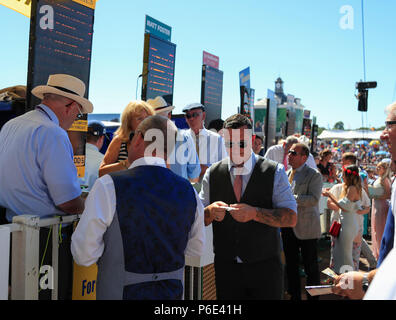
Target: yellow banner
84 282
21 6
88 3
79 125
24 6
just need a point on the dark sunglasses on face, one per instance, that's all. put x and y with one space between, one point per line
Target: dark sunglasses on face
293 152
388 124
193 115
242 144
131 135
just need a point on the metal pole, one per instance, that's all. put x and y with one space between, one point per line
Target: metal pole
55 261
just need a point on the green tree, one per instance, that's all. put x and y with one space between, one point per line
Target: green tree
338 125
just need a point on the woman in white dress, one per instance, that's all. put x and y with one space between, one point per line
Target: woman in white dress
348 205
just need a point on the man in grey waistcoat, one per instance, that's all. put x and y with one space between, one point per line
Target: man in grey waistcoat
246 198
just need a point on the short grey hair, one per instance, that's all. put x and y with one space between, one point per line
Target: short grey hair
290 140
158 128
391 110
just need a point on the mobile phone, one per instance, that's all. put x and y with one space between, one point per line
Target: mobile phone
319 290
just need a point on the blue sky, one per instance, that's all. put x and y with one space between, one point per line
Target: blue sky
300 41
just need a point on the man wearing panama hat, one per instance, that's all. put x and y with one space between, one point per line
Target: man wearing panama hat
38 176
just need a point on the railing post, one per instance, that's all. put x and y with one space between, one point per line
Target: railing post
25 258
4 262
55 260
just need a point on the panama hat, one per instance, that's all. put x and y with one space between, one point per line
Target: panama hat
159 105
67 86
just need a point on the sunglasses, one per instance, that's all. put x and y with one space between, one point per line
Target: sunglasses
293 152
242 144
131 135
193 115
388 124
80 114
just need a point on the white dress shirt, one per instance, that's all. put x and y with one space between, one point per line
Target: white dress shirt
87 240
276 154
282 196
93 159
211 146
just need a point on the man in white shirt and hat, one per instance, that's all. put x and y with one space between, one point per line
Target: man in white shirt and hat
209 145
38 175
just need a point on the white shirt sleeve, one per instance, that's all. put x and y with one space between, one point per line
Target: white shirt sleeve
383 286
311 161
196 239
87 240
204 195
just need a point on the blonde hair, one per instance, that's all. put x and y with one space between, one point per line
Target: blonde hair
133 109
388 171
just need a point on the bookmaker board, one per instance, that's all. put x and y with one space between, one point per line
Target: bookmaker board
212 92
158 68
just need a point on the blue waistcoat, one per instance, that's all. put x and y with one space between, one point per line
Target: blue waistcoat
145 244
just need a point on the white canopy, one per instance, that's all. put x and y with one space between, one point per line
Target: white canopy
352 134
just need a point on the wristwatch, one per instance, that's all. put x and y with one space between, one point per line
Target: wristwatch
365 282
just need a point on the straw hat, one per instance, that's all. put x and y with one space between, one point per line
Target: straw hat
160 106
67 86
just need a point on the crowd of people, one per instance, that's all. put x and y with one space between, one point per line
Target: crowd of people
157 188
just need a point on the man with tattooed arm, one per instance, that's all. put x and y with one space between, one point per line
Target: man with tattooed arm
247 199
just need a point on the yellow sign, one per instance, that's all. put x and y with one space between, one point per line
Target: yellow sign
87 3
24 6
21 6
84 282
79 125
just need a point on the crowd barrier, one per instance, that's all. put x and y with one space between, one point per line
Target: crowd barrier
27 275
25 269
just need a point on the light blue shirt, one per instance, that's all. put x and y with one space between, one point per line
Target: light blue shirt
37 171
282 196
184 159
93 159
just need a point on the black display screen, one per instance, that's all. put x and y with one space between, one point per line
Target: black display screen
270 128
247 101
60 42
158 68
212 92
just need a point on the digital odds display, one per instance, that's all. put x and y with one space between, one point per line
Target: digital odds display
158 68
270 128
247 101
60 42
212 92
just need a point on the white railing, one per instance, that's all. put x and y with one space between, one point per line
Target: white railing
25 270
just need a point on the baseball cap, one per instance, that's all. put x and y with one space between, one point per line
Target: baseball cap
96 128
194 105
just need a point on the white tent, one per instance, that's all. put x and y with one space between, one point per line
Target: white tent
352 134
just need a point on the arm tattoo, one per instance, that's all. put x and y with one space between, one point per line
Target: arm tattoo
281 217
